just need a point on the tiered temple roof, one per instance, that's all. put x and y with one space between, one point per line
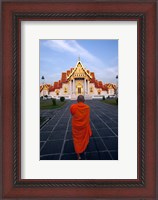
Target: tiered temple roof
44 87
66 75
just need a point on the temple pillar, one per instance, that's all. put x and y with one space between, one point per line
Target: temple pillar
73 86
70 87
84 86
87 87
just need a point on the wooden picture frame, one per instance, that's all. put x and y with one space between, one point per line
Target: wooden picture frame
144 187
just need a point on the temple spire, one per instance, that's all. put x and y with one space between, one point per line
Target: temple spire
78 58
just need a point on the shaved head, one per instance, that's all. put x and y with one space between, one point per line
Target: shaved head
80 98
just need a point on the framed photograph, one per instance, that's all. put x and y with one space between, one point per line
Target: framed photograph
79 100
56 139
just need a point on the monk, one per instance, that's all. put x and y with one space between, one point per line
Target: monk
81 130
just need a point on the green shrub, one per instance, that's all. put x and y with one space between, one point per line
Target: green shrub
54 102
103 97
62 99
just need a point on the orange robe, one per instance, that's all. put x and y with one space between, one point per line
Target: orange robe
81 130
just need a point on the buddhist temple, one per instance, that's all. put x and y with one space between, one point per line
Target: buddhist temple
76 81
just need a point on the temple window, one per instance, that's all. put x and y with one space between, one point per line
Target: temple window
57 92
99 92
65 90
91 89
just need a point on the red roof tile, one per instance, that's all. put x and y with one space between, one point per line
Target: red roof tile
68 72
93 77
63 77
51 89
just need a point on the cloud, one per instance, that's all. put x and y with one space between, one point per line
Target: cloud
46 60
107 75
73 47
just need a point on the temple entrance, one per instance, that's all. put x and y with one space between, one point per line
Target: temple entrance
79 87
79 90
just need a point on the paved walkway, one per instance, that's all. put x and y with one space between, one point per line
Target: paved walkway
56 139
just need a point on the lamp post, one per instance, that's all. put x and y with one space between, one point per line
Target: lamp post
117 85
43 83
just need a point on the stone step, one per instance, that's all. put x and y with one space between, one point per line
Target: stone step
88 97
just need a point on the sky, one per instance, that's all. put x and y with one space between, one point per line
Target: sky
98 56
